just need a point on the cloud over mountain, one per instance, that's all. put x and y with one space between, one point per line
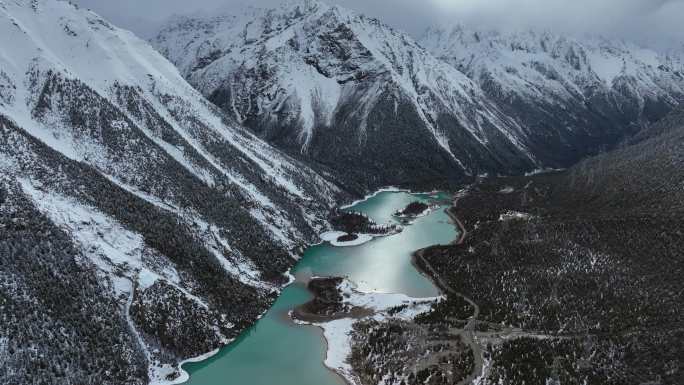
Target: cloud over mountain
648 21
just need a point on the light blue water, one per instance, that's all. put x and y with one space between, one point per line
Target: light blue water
276 351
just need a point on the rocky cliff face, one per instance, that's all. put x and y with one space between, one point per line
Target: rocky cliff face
140 224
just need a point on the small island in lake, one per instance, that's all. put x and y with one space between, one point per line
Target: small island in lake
413 210
347 238
352 229
358 223
328 303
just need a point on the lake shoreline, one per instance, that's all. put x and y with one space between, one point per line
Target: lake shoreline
382 307
318 309
334 325
455 221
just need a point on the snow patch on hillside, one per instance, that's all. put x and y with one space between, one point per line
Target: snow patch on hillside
116 251
231 259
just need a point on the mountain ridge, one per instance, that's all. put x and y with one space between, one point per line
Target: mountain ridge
325 69
181 224
605 81
310 78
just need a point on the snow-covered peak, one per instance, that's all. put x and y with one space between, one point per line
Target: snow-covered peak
543 63
299 27
304 65
314 78
70 39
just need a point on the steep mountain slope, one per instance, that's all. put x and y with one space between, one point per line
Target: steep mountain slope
591 85
140 225
346 91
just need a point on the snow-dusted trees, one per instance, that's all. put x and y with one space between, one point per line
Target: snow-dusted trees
46 337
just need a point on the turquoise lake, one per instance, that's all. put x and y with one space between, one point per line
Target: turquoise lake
275 351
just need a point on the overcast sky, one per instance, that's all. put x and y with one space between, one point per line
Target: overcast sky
658 21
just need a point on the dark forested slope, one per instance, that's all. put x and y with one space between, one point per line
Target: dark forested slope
581 270
139 225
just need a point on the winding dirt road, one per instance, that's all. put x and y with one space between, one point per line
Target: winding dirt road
468 332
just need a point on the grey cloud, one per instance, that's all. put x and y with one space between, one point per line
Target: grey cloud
634 19
652 21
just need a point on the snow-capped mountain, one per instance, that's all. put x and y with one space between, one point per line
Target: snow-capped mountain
347 91
590 84
139 225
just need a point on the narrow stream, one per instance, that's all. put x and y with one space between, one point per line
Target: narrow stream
276 351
